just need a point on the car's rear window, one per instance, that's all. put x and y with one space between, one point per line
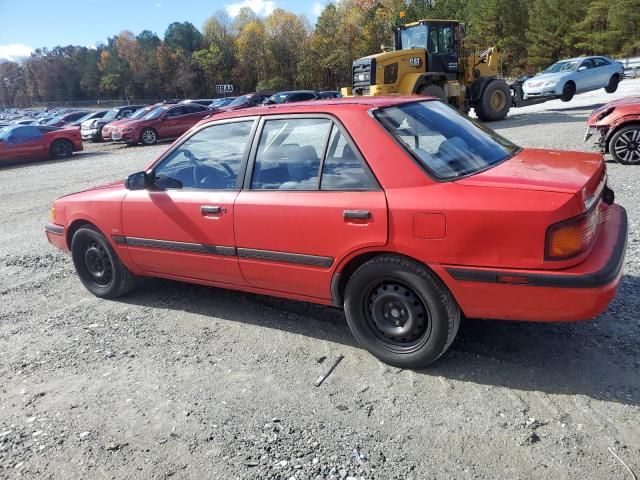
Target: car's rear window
447 143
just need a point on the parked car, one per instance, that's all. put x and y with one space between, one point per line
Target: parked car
565 78
329 94
29 121
167 121
402 210
293 96
106 130
617 129
92 129
29 142
66 118
248 100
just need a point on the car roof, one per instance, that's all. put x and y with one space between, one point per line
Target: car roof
328 105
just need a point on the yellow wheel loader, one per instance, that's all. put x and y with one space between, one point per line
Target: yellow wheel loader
429 58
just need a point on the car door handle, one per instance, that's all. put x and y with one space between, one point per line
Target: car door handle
208 209
356 214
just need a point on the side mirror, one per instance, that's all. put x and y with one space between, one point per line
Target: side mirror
138 181
582 69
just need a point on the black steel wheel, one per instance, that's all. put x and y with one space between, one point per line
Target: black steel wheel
625 145
400 311
396 315
98 266
61 149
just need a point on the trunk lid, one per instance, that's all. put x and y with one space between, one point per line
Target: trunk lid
545 170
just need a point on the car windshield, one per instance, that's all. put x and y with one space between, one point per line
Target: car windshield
53 120
413 37
111 114
140 113
86 117
238 102
278 98
155 113
567 66
5 131
448 144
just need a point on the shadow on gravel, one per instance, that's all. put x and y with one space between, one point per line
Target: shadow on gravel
591 107
599 359
536 118
9 165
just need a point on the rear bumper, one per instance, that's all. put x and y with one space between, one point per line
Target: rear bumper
577 293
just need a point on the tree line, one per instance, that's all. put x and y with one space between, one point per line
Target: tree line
284 51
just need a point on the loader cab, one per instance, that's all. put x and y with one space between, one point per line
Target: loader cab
440 38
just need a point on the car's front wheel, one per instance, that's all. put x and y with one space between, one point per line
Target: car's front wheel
568 91
614 81
148 136
61 149
400 312
98 266
625 145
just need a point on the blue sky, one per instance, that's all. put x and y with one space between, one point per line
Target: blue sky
29 24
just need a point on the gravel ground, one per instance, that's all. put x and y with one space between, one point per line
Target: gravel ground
184 381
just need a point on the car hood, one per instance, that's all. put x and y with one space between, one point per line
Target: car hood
114 185
544 170
547 77
128 123
619 102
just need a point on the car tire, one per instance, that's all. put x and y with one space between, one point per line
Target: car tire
568 91
433 91
61 149
400 311
494 102
148 136
98 266
613 84
624 145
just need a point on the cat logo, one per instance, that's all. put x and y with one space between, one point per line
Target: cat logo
415 62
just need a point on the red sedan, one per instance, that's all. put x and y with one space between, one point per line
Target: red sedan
169 121
30 142
617 126
402 211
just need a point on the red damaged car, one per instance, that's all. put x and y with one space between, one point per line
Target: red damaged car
617 129
167 121
32 142
400 210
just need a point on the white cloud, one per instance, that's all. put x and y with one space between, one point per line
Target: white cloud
158 5
14 52
260 7
317 8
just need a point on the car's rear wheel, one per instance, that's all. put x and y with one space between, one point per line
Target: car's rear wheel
61 149
98 266
568 91
148 136
400 312
625 145
613 84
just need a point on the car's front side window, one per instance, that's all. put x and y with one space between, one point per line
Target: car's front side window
209 159
444 141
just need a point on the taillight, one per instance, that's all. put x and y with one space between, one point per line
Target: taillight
572 237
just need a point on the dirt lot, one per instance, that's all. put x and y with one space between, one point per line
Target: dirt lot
183 381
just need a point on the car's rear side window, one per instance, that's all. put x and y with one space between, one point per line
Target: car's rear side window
448 144
292 152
